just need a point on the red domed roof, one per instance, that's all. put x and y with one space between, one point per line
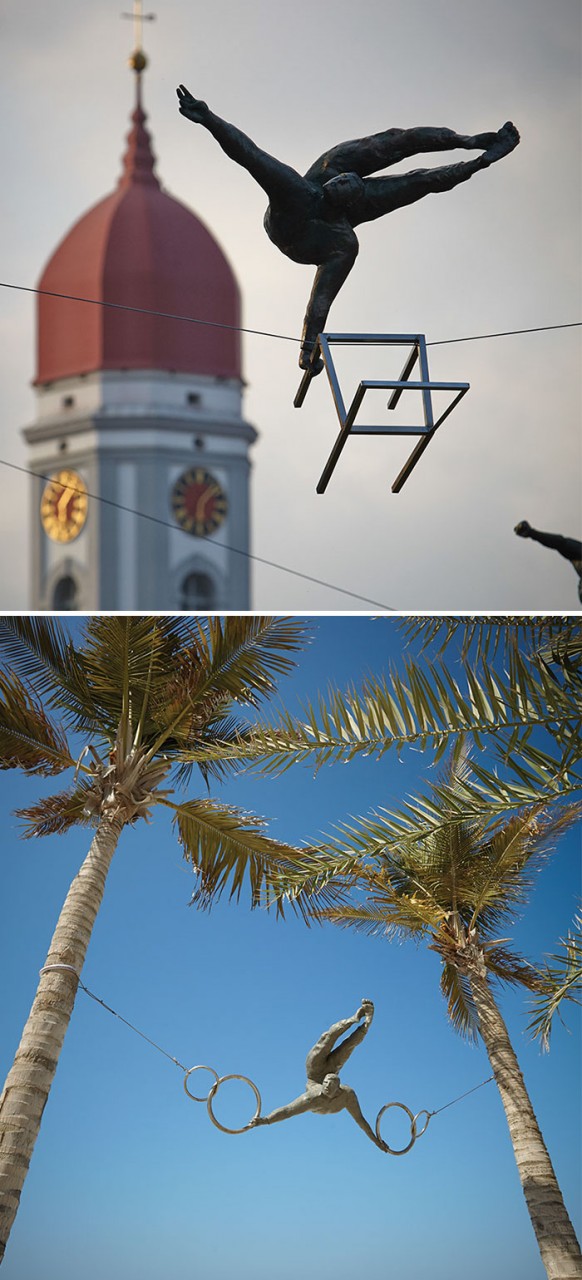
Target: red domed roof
141 248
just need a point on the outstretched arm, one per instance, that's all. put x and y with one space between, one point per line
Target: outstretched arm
295 1108
275 178
352 1105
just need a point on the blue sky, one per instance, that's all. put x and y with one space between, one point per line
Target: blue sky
130 1179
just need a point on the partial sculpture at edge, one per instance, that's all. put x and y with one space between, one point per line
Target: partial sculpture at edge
311 219
570 548
324 1093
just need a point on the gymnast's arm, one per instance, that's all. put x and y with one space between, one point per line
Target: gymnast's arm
296 1108
352 1105
271 174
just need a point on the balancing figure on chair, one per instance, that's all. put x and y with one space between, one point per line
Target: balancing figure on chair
324 1092
312 218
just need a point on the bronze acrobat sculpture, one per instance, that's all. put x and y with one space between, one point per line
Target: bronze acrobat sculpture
324 1092
311 219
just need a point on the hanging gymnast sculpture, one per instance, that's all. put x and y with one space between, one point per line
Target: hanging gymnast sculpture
324 1092
311 218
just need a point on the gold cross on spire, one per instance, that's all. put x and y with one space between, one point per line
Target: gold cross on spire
138 58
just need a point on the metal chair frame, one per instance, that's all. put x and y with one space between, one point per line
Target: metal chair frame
347 418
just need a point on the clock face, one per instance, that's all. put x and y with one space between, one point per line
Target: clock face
63 507
198 502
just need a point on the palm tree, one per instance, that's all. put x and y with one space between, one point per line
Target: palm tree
513 685
151 697
455 889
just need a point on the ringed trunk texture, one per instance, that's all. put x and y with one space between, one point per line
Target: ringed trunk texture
29 1080
555 1234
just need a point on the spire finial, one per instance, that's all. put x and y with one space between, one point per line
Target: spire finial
138 162
138 61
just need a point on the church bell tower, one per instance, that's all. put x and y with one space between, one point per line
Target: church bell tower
140 498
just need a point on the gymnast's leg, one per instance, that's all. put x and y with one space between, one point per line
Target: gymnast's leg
382 195
318 1058
368 155
279 180
570 548
338 1058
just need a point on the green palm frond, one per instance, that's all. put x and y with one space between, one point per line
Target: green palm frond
560 979
247 655
505 867
126 661
166 678
427 706
485 638
39 651
366 919
29 738
228 849
58 813
525 708
506 965
456 989
386 914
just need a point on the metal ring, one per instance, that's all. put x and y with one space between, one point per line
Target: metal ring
189 1073
413 1132
428 1114
214 1090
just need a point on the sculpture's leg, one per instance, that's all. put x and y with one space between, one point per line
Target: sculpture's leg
329 278
317 1062
338 1058
570 548
368 155
383 195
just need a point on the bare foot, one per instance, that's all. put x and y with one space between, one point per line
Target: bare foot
506 140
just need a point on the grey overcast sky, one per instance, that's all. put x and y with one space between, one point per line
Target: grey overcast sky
501 252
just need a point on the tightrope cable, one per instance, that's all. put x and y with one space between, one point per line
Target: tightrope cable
262 333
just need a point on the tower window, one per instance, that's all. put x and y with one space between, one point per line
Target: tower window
68 402
193 397
197 592
65 594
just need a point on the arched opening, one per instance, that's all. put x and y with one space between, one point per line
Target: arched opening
197 592
65 593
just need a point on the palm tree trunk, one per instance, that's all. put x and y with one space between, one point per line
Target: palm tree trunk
29 1080
554 1231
